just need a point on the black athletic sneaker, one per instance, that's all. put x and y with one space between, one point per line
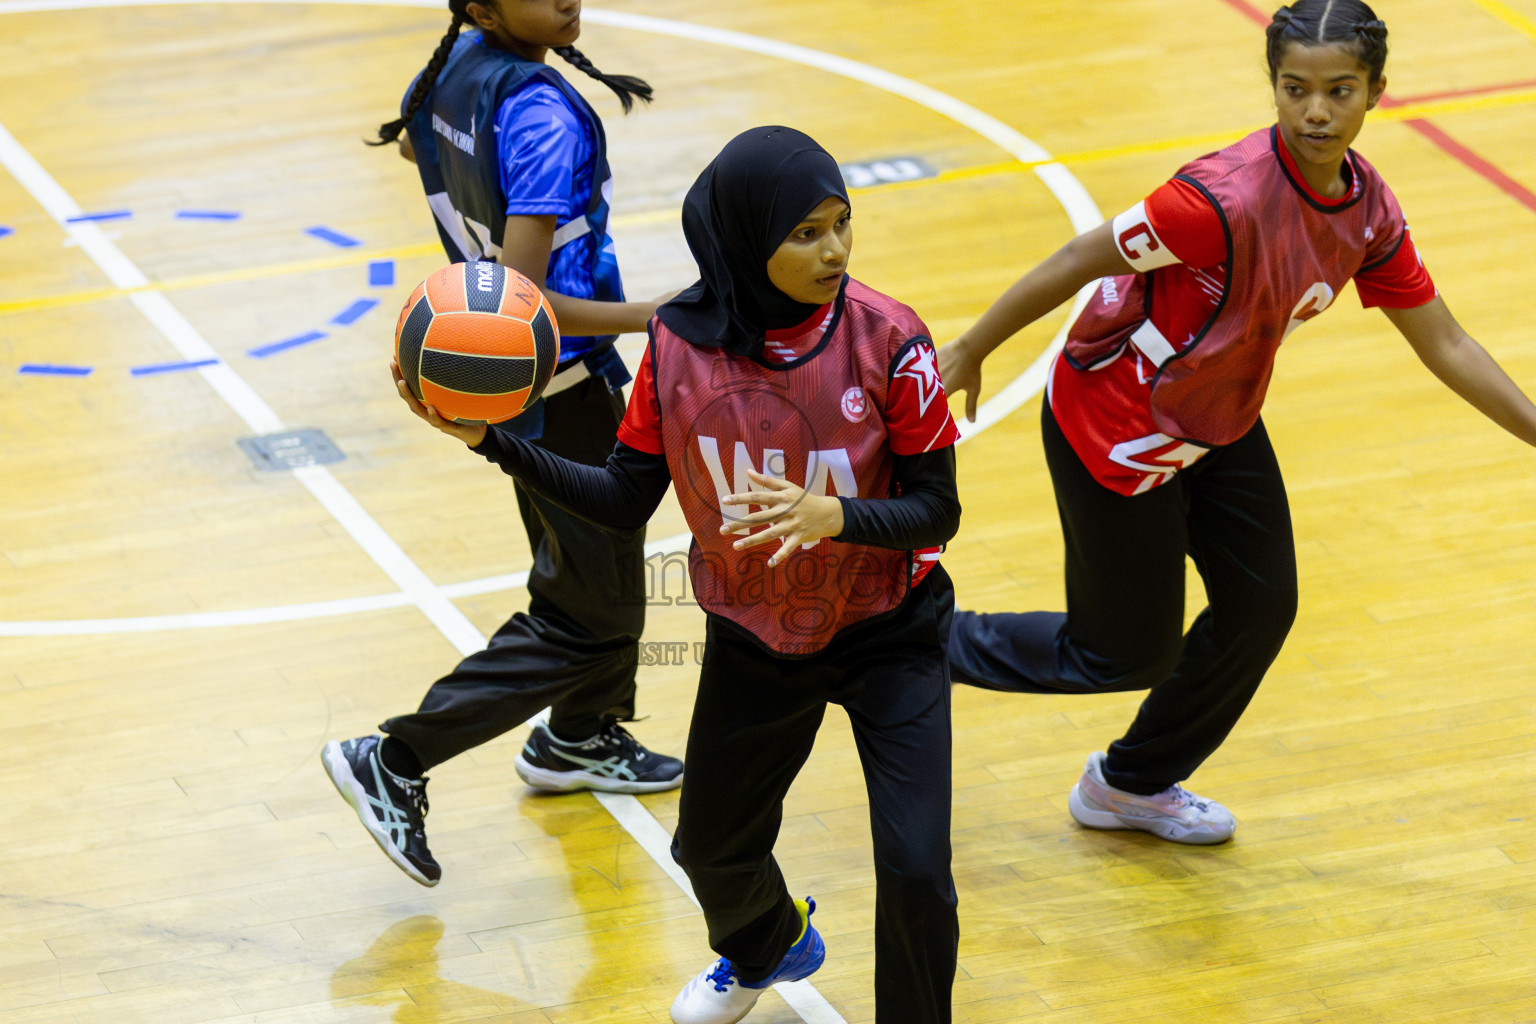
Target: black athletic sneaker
391 808
612 761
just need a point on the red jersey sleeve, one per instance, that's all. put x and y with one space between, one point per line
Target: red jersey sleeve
917 415
1184 219
641 426
1398 282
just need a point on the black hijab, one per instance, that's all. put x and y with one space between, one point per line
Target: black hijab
741 208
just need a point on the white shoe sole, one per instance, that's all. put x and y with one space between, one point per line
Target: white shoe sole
570 782
1163 828
733 1020
352 791
679 1015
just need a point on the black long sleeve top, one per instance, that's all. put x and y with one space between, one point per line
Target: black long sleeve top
624 493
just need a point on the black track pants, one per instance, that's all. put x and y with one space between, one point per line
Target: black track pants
574 650
754 722
1123 629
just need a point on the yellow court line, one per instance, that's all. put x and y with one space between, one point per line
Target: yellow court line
1407 112
1458 105
271 270
1511 17
225 277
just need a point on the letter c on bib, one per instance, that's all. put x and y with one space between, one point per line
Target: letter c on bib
1137 242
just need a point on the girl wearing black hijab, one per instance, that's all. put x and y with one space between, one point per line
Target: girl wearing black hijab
800 415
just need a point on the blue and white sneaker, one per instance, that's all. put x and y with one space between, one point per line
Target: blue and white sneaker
717 996
612 761
393 809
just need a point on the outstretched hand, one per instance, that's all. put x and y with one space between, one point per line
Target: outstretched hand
960 370
796 517
470 433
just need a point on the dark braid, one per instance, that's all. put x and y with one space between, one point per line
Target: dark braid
626 87
1348 23
1372 37
390 130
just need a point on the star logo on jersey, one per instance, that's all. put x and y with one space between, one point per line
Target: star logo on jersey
855 405
920 365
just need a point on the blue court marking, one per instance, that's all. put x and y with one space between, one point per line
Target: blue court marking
105 215
262 351
207 215
334 237
54 370
144 371
381 273
354 311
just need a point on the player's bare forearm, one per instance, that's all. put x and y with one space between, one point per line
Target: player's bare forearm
1468 369
526 244
1054 281
1465 367
581 317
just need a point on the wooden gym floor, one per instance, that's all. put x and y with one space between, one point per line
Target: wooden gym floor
180 631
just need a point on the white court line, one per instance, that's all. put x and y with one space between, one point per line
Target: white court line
287 612
417 588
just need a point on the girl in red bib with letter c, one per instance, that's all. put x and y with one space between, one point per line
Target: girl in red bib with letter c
1151 425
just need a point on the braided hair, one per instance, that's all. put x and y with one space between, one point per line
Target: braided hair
626 87
389 131
1346 23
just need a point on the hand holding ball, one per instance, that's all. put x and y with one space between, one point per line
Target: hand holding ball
477 342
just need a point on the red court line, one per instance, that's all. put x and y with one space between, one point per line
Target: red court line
1467 157
1476 90
1253 12
1504 182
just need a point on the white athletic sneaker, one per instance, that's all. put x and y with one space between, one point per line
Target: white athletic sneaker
717 996
1174 814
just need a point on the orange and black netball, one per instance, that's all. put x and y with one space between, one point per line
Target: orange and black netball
477 341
